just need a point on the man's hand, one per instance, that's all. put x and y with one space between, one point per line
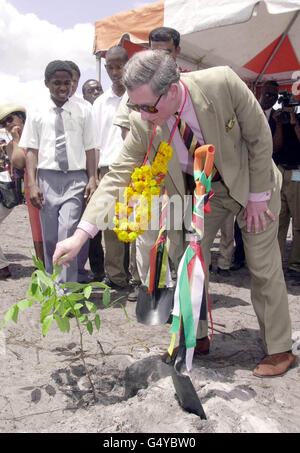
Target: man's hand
90 189
255 213
36 196
16 134
69 248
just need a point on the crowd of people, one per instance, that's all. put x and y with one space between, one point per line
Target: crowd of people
78 153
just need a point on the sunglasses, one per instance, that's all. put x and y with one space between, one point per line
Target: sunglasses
145 108
8 120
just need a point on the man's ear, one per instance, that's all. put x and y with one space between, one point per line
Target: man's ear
46 83
178 50
174 88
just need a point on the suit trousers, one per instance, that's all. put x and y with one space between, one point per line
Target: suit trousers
63 203
4 212
290 209
114 253
268 289
226 243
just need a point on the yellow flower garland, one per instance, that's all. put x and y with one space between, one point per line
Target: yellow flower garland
145 182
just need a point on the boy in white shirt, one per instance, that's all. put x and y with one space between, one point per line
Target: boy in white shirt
109 143
60 162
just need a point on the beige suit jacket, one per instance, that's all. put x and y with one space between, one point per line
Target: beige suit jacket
243 152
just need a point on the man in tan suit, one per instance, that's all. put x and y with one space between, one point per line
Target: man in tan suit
222 111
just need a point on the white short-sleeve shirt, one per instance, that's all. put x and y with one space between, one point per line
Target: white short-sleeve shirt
108 136
39 133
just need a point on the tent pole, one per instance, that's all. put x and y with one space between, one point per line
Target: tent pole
98 66
276 49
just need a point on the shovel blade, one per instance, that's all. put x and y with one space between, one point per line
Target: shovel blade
186 394
154 309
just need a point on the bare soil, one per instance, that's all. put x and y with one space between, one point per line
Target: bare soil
44 388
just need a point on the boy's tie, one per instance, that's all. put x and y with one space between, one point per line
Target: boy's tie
60 142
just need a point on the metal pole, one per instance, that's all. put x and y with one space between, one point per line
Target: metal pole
276 48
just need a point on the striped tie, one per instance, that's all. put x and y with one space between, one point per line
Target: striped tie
60 142
191 142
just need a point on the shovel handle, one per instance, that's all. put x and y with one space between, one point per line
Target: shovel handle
207 152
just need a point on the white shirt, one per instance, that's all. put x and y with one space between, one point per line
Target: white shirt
108 136
39 133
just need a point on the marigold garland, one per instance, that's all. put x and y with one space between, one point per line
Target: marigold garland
145 182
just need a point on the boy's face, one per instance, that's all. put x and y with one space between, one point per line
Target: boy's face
60 86
114 67
168 46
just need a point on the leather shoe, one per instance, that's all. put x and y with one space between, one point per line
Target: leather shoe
275 364
201 348
236 265
223 272
107 281
133 295
5 273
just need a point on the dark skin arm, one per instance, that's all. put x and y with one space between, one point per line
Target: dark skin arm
36 195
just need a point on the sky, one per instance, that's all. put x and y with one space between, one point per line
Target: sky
35 32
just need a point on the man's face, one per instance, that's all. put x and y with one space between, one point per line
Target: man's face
166 106
268 97
60 87
168 46
92 91
114 67
10 121
75 81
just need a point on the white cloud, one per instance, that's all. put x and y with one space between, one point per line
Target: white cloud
28 44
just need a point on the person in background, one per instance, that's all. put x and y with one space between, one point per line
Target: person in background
60 161
84 252
109 144
246 182
91 90
286 154
12 118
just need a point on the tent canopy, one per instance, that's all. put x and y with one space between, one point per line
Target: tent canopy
242 34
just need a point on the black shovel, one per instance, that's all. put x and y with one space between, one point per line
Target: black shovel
154 308
185 391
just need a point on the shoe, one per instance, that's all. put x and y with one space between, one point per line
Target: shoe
107 281
133 295
236 265
97 277
5 273
274 365
201 348
223 272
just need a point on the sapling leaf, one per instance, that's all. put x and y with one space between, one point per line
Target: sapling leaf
106 297
78 306
38 264
60 322
97 322
46 308
87 291
90 306
89 327
46 324
25 303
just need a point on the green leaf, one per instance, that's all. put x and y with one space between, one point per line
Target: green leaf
87 291
60 322
46 324
56 270
74 297
78 306
24 304
46 308
106 297
97 322
90 306
38 264
89 327
82 318
10 315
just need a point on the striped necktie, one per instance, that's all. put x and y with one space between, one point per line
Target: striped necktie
60 142
191 142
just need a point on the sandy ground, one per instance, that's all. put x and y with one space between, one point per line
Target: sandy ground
44 388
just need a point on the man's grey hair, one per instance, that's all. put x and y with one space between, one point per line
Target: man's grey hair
151 66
